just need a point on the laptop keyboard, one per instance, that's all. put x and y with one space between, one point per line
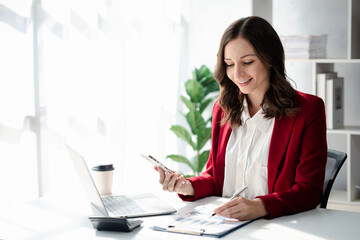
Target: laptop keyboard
121 205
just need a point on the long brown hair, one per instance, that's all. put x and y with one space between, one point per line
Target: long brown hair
279 99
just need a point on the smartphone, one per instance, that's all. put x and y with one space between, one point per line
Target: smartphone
156 163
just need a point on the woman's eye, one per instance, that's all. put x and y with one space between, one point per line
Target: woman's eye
229 65
248 63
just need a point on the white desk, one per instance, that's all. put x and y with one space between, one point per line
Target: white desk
46 219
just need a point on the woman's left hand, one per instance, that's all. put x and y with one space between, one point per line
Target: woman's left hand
242 209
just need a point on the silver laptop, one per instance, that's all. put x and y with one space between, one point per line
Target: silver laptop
136 205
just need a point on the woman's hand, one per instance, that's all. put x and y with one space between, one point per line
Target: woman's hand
242 209
175 182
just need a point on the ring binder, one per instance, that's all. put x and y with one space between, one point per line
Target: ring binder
179 229
197 222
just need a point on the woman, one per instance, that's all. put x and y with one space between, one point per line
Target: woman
265 135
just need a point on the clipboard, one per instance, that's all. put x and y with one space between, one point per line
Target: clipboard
199 222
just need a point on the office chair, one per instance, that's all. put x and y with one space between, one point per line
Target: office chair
335 160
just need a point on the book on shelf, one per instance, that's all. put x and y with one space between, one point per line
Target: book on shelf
304 42
305 54
308 47
334 106
330 88
321 83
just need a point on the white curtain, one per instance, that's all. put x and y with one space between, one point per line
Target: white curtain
101 75
18 171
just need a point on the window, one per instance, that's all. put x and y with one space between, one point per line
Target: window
100 75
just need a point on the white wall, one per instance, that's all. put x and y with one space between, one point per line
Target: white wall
203 23
309 17
207 20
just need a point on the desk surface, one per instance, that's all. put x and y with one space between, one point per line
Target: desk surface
49 219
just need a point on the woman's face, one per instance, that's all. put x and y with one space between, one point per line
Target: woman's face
245 69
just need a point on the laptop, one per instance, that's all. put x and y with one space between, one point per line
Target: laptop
126 206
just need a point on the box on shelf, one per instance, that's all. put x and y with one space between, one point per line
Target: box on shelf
321 83
312 46
335 103
330 88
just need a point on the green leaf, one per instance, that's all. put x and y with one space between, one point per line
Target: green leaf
188 103
195 90
209 120
195 120
179 158
184 134
203 79
195 74
203 72
203 158
203 135
204 104
188 175
212 87
197 100
207 80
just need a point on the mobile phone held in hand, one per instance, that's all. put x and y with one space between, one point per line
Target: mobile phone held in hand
156 163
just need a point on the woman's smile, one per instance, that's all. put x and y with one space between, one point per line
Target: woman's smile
244 83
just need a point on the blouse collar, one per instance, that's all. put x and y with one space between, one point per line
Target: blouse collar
258 119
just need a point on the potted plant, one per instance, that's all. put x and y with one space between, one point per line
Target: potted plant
198 90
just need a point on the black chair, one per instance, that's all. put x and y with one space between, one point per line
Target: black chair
335 160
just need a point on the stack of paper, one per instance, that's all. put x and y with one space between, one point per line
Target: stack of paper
305 46
200 221
330 88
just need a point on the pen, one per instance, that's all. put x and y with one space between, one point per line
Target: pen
237 193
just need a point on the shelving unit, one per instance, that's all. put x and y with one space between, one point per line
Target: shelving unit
351 195
344 57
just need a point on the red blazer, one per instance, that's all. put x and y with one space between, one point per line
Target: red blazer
296 163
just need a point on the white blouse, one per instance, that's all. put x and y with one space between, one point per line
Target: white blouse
246 156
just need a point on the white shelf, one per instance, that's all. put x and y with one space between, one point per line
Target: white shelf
340 197
323 60
354 130
344 51
336 60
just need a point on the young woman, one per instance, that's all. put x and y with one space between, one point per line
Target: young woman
265 135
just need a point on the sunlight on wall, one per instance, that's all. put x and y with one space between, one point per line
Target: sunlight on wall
18 172
108 74
111 87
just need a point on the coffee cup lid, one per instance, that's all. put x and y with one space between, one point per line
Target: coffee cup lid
103 167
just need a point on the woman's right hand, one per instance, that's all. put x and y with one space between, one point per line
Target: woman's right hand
175 182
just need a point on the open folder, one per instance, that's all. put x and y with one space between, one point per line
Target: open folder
200 221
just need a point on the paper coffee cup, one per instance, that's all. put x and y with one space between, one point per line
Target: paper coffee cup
103 177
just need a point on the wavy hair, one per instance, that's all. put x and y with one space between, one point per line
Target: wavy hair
279 98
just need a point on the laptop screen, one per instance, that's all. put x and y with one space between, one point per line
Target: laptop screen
87 181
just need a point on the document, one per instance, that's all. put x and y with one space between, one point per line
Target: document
200 221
